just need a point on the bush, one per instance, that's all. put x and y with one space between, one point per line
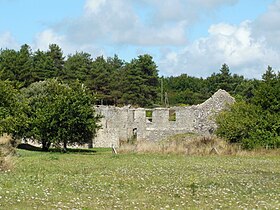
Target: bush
249 125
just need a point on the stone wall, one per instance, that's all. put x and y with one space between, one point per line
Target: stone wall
120 124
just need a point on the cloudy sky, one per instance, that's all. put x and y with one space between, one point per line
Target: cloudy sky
184 36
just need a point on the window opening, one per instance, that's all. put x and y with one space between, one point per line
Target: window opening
172 115
149 115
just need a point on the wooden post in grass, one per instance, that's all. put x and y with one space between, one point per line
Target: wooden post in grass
114 151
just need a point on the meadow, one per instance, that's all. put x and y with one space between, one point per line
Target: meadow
100 180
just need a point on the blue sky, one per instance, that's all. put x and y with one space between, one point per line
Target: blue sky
184 36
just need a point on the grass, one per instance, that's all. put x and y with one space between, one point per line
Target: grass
100 180
187 144
193 144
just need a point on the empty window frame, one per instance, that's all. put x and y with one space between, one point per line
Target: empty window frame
172 115
149 115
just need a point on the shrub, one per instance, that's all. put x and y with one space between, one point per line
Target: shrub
249 125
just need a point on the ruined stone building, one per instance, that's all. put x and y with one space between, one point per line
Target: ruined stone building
121 124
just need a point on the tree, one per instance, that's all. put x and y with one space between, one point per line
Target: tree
250 126
237 123
17 66
267 94
224 80
43 67
61 114
48 64
140 82
26 73
100 76
12 109
185 89
116 66
8 65
257 123
57 59
77 66
245 89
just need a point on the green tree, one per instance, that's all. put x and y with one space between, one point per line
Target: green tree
8 64
25 62
17 66
116 73
224 80
61 114
267 94
48 64
140 83
43 67
237 123
12 109
100 76
77 66
185 89
57 59
255 124
245 90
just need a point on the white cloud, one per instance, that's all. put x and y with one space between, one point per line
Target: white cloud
231 44
103 22
47 37
187 10
144 24
94 6
137 22
267 25
8 41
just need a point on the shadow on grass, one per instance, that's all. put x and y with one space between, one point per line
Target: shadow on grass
73 150
30 147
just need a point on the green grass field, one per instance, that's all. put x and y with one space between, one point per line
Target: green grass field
101 180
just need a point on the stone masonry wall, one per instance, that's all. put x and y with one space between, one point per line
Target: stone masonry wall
120 124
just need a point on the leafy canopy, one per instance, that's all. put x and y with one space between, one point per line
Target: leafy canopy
255 123
61 114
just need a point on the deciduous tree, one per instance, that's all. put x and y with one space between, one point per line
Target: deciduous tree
61 114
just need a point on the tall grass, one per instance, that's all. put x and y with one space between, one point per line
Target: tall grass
6 153
192 144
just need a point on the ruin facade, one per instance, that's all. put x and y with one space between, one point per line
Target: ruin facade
124 123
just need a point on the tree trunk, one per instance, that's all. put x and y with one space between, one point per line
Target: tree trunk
46 145
90 144
64 146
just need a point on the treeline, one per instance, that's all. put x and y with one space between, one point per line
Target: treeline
111 80
114 81
187 90
46 96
